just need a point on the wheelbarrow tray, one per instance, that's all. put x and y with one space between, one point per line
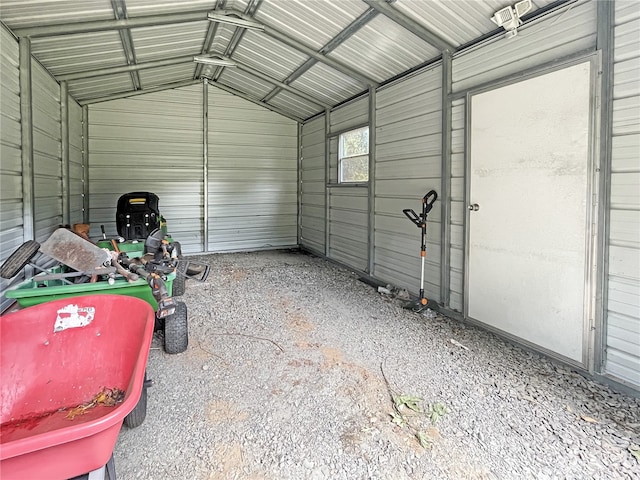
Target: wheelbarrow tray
102 341
35 291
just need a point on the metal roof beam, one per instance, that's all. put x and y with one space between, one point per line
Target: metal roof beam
70 28
100 72
284 86
295 44
119 8
336 41
135 93
251 9
410 24
212 31
237 93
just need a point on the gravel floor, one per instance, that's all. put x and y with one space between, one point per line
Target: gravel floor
285 373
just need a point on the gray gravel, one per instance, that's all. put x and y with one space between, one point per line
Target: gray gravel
283 380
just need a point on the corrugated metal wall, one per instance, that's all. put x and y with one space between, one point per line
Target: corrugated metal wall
573 31
312 185
408 165
253 176
348 205
76 168
47 154
150 143
622 358
11 213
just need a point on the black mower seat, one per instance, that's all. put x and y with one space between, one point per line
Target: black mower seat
137 215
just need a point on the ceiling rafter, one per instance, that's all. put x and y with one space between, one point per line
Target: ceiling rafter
251 9
410 24
186 59
159 88
352 28
119 8
284 86
101 72
212 31
301 47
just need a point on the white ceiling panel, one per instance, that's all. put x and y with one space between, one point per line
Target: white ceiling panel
222 38
327 84
295 105
270 56
457 21
138 8
382 49
154 77
100 86
78 53
313 23
245 82
165 41
37 13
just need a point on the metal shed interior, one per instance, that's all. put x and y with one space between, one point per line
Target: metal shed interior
102 97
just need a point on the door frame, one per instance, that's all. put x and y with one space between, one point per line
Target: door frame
592 221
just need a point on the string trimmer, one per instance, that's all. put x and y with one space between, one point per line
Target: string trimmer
421 222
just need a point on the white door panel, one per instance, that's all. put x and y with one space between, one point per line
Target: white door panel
529 177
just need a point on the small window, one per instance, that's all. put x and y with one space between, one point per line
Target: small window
353 156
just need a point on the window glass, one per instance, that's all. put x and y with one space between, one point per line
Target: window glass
353 156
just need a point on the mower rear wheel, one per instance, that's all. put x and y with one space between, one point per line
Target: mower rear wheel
19 259
179 283
176 330
139 413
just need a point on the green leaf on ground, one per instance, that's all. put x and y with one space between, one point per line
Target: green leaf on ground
437 411
409 401
424 439
397 419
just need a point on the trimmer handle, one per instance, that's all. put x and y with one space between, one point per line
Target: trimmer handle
413 216
428 200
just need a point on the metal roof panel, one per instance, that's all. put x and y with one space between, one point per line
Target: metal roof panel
154 77
327 84
268 55
295 105
164 41
457 21
313 23
137 8
37 13
100 87
78 53
245 82
382 49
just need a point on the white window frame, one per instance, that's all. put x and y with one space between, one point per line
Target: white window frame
341 157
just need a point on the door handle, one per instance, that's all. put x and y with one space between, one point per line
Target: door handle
474 207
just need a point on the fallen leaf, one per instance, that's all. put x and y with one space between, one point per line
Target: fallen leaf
589 419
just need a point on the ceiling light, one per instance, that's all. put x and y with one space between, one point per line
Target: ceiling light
214 60
236 21
510 17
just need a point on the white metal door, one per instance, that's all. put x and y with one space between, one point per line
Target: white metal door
529 180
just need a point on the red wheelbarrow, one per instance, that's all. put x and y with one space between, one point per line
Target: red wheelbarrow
71 370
